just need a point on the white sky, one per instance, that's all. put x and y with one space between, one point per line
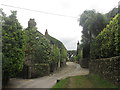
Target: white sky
65 29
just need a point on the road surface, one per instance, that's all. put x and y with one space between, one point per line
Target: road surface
72 69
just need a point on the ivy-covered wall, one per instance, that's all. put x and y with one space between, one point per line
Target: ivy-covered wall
108 68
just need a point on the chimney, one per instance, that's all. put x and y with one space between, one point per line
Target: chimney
46 32
78 43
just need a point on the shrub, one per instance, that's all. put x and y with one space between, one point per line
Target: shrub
12 47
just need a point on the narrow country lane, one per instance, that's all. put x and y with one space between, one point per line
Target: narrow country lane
72 69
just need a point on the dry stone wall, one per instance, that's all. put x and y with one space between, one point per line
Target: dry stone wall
108 68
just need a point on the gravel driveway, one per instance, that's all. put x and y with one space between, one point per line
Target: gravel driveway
72 69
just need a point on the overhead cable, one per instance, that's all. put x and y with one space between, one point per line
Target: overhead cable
38 11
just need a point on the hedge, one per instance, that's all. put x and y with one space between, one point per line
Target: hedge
107 43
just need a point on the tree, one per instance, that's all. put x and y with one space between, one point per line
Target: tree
111 14
92 23
12 46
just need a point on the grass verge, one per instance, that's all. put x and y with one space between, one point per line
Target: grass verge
84 81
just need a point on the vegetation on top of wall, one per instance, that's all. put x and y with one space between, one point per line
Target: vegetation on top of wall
107 43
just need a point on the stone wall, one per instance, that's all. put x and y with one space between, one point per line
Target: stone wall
34 71
63 63
84 63
38 70
108 68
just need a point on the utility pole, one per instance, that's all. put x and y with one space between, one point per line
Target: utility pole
90 45
1 49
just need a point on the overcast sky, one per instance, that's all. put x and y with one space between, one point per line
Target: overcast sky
65 29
